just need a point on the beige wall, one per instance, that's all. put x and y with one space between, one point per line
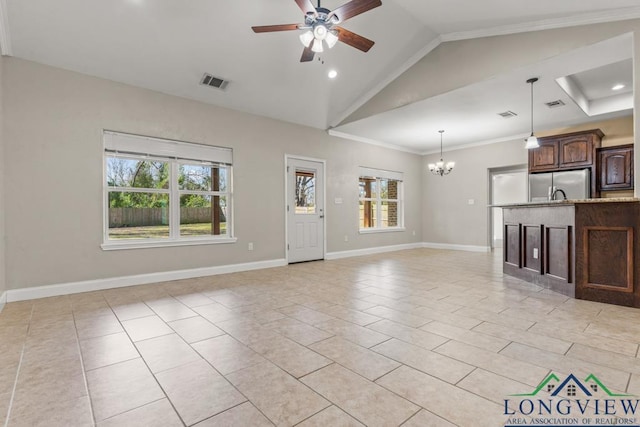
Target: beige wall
3 286
53 139
447 216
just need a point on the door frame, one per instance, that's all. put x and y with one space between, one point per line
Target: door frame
490 172
286 201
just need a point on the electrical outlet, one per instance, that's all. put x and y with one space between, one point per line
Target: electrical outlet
414 232
250 246
346 238
471 201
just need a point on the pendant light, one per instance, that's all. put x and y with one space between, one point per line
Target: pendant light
439 168
532 141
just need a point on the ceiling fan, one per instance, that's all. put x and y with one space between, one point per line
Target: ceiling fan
321 25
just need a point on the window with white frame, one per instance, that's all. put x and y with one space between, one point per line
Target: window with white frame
381 200
160 192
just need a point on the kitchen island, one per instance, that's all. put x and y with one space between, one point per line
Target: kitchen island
588 249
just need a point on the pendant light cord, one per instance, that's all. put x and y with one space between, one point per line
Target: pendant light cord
532 108
532 81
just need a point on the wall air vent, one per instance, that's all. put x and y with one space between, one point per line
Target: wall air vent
555 104
212 81
507 114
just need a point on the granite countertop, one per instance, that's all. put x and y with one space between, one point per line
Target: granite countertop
569 202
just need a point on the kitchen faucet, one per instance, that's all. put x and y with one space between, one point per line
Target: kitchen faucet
556 191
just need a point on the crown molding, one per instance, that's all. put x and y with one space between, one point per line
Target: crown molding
5 38
428 152
370 141
621 14
516 137
388 79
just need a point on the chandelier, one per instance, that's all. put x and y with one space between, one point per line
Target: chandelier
439 168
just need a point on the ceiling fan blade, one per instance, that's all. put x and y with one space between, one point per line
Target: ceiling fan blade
307 55
306 6
353 8
271 28
354 40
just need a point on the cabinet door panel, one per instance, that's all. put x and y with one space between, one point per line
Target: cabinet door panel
512 244
531 247
544 157
557 252
616 168
576 151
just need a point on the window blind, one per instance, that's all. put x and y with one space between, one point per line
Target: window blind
134 144
380 173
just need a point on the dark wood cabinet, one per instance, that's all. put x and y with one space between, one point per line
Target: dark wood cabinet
538 245
544 158
588 250
577 150
615 166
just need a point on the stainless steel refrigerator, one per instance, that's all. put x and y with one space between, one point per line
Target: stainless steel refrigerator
576 185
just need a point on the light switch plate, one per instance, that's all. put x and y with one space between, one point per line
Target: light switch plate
338 200
535 253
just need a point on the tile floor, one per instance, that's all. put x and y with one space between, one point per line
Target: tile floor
413 338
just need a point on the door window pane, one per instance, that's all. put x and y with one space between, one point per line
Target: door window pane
305 192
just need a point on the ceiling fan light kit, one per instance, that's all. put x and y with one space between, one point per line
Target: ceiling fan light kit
320 26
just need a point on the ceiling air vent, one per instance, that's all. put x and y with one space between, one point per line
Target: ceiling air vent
507 114
212 81
555 104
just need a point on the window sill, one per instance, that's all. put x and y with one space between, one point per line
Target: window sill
116 246
380 230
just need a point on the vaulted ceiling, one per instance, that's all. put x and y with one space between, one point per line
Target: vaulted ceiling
167 46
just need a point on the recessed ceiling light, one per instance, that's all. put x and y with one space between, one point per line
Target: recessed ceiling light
617 87
332 74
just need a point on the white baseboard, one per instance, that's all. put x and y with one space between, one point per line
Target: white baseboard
13 295
468 248
371 251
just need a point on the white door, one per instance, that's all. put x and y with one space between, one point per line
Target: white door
305 210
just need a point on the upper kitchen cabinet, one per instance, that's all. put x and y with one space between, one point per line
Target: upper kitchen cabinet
545 157
615 166
575 150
